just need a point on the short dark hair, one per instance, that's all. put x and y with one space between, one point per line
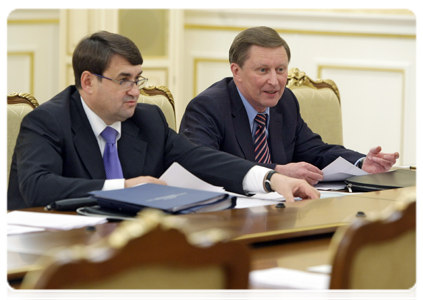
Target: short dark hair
94 53
261 36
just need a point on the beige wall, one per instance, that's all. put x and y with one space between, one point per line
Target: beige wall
389 11
33 53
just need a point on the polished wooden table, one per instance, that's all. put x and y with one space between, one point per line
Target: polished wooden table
296 237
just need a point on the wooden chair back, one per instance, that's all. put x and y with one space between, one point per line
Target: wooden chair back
378 253
146 253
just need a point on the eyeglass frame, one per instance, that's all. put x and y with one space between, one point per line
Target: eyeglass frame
144 81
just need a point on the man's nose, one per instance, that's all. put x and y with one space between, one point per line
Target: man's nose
272 79
134 91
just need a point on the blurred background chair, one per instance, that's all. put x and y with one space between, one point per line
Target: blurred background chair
378 252
18 105
162 97
147 253
320 105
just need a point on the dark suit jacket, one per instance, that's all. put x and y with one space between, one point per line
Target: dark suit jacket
217 118
57 155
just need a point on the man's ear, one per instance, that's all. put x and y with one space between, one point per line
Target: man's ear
87 82
236 69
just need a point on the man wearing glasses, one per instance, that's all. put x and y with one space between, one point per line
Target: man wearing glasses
95 136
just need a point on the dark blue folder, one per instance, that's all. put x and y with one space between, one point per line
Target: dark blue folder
167 198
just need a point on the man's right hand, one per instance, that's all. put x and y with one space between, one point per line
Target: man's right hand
291 187
142 179
301 170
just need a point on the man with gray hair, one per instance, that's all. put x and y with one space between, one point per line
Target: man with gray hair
254 116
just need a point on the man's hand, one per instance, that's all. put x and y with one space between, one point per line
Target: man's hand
291 187
301 170
378 162
142 179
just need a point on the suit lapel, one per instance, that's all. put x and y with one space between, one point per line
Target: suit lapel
241 123
277 149
132 150
84 140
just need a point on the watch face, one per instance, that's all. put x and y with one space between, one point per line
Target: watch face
267 186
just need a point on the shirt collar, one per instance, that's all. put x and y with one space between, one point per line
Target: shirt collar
97 124
251 112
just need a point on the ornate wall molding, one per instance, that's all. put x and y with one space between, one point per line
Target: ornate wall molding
314 22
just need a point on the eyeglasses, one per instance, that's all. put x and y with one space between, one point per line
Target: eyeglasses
127 84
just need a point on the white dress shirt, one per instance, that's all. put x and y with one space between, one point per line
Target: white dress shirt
98 125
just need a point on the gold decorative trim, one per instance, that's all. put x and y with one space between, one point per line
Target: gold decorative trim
145 222
168 93
160 69
298 78
148 220
66 19
297 31
161 88
340 67
31 66
20 272
195 71
26 96
33 21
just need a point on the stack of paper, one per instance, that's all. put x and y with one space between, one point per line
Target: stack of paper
178 176
18 221
17 229
341 169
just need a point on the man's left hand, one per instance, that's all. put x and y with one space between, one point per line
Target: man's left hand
378 162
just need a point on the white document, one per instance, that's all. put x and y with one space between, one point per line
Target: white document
52 221
340 169
178 176
258 199
271 199
281 278
243 202
16 229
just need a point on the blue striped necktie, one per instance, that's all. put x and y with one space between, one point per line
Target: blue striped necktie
261 149
110 156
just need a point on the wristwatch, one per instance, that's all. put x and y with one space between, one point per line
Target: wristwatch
266 183
360 162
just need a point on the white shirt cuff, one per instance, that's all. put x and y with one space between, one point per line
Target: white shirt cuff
253 180
113 184
358 160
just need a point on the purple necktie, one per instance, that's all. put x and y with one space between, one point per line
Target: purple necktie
110 155
261 149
